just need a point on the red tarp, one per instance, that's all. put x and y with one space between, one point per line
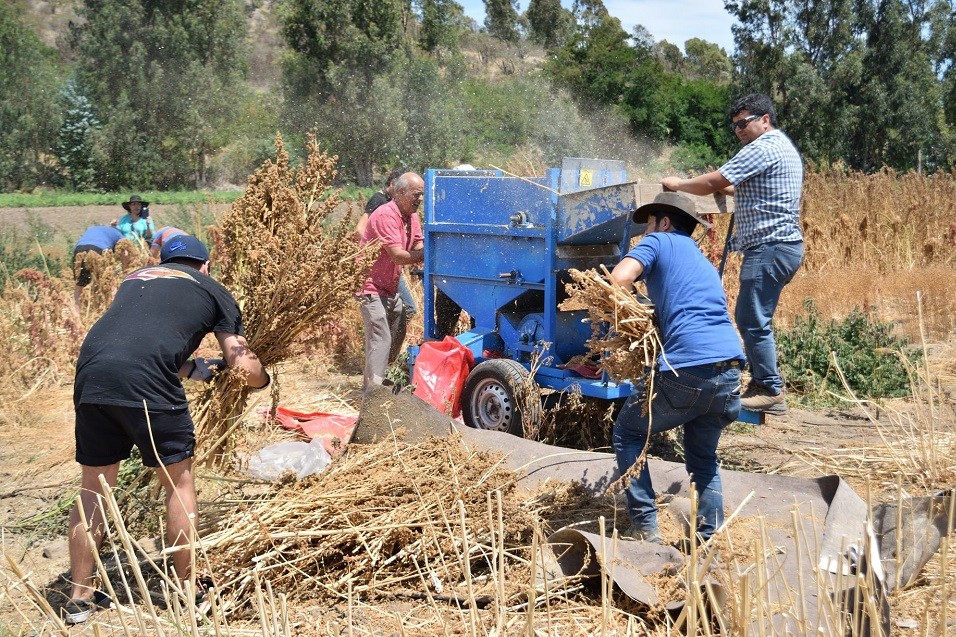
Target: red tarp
334 430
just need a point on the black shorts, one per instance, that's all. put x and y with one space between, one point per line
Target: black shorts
105 434
80 272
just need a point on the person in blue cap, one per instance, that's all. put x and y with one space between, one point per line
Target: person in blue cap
96 239
128 392
161 236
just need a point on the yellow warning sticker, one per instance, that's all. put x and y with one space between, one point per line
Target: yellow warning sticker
586 178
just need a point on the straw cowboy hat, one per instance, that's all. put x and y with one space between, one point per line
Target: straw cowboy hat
669 201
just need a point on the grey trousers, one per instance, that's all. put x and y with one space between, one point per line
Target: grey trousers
385 323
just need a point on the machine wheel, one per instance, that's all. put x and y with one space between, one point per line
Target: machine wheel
489 399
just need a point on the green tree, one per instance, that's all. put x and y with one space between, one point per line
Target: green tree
29 116
440 20
670 56
873 67
501 19
74 145
161 74
549 24
706 60
900 92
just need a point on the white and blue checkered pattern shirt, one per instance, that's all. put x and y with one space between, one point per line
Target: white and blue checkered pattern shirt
767 175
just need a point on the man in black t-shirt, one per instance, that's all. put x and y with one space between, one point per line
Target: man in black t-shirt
128 391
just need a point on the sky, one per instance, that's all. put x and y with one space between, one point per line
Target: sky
673 20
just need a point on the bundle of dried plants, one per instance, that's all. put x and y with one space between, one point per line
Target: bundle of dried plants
381 519
107 271
41 332
290 264
624 339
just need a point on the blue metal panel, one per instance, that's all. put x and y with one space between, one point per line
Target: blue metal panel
583 174
597 216
751 417
488 257
490 201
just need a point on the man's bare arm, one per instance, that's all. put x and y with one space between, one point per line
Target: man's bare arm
627 272
706 184
406 257
237 353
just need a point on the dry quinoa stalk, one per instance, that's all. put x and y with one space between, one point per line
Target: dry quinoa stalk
291 264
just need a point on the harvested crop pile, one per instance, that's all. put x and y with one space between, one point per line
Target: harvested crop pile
107 272
383 519
291 267
624 338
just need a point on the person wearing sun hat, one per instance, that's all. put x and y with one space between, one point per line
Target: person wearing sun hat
135 224
697 384
128 391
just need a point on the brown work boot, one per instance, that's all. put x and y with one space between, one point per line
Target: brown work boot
758 398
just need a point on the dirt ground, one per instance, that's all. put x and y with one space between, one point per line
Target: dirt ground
73 220
37 470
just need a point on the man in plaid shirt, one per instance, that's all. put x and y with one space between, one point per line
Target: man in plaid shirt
766 179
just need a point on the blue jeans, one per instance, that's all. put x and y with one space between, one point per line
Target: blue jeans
411 309
766 269
704 399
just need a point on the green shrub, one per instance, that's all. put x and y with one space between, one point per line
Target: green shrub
18 251
868 354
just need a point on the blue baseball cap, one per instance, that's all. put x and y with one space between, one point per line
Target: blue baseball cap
183 246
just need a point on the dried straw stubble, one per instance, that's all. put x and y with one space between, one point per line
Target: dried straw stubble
381 519
290 265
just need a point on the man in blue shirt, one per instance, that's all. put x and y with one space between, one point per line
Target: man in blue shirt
698 380
766 179
95 239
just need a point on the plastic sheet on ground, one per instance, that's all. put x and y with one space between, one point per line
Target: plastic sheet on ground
831 516
334 430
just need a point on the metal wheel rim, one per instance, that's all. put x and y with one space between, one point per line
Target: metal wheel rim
492 406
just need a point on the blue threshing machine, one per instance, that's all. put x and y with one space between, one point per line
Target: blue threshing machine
500 247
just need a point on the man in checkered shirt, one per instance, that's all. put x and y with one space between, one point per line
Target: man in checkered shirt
766 179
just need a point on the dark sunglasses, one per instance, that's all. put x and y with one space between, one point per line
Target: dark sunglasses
740 124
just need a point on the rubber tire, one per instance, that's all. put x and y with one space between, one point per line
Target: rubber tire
489 398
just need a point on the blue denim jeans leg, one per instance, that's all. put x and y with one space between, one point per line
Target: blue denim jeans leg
704 399
766 269
411 309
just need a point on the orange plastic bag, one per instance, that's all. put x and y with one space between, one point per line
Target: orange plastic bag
334 430
440 372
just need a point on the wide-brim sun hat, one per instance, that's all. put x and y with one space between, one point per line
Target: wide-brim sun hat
135 199
669 201
183 247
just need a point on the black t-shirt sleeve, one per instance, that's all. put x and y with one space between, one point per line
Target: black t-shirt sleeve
374 202
228 318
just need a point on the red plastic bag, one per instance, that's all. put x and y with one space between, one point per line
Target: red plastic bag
440 372
334 430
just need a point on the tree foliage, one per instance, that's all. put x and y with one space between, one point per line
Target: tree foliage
549 24
440 20
75 139
660 92
162 76
355 77
877 70
501 19
29 116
